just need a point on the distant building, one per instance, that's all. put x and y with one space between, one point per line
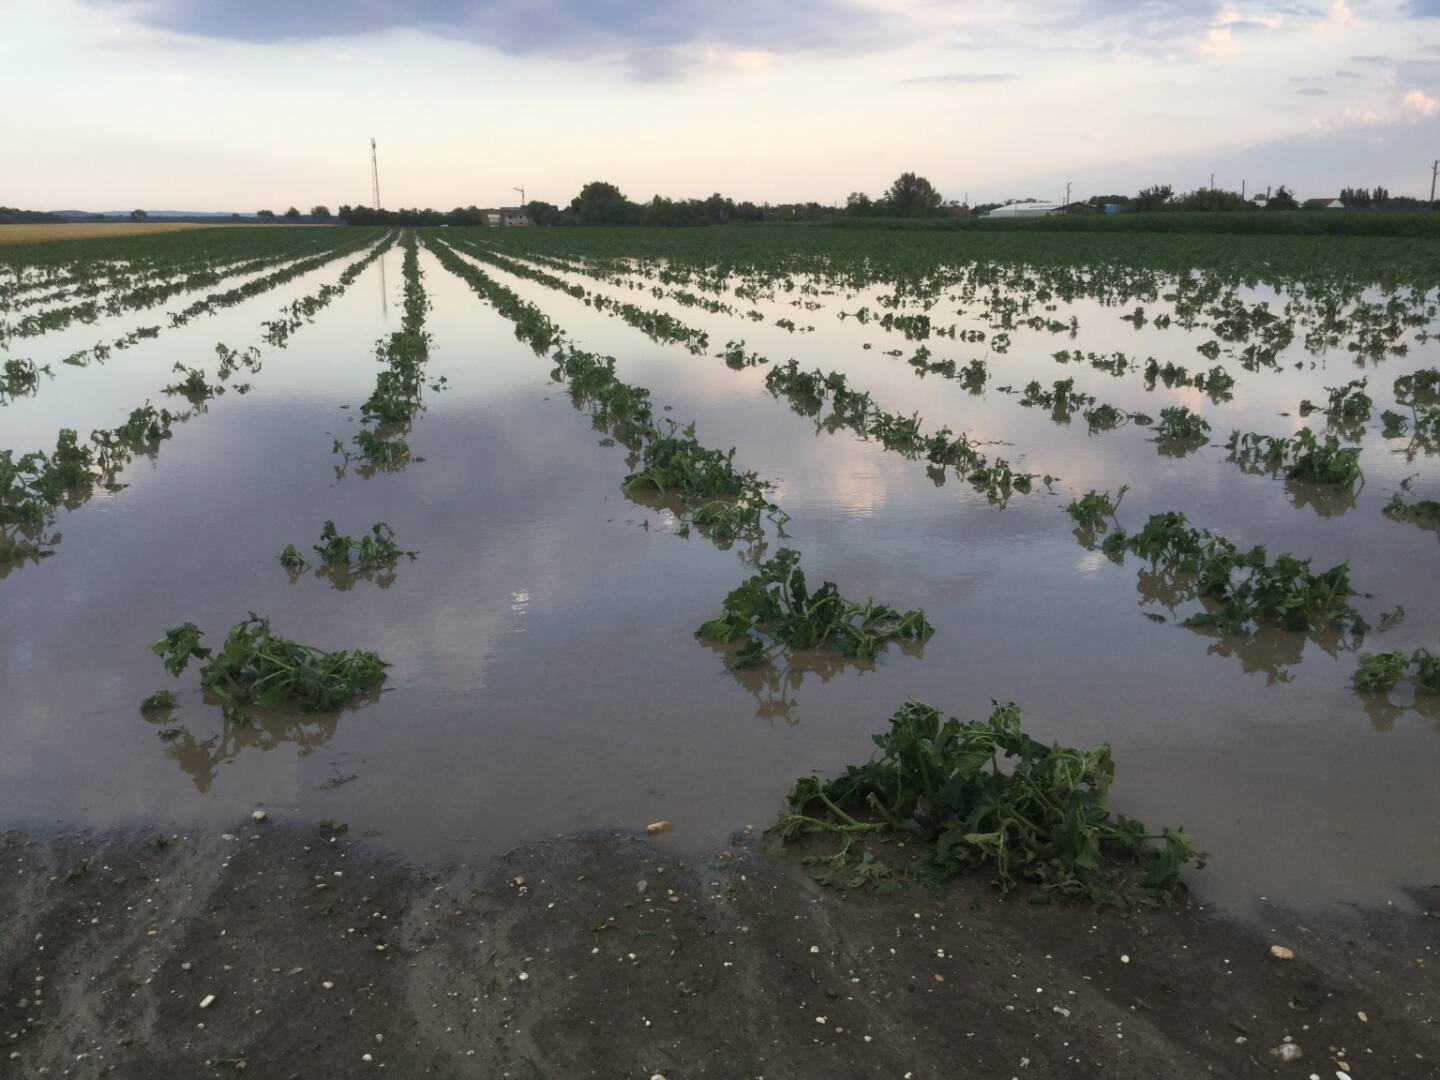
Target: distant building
506 215
1032 209
1323 204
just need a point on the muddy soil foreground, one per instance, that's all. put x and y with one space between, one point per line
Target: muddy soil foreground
295 952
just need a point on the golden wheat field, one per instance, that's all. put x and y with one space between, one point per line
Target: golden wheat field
45 232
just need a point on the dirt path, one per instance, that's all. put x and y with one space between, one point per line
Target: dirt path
606 957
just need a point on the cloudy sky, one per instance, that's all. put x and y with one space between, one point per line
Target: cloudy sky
243 104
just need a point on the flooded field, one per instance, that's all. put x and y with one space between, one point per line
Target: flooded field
999 430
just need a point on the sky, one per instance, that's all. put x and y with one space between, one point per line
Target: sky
251 104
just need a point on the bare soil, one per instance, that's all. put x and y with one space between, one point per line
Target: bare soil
297 952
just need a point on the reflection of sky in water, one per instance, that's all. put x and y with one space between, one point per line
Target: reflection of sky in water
545 675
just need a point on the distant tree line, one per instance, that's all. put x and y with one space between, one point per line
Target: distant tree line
602 203
909 196
9 215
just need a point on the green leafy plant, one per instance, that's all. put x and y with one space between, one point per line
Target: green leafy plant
258 667
160 701
985 796
1094 506
374 550
775 608
1179 425
1303 456
1378 673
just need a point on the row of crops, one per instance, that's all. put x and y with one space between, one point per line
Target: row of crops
1221 317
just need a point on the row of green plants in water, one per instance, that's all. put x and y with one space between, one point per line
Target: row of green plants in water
101 351
811 391
773 610
399 392
98 265
1239 589
655 324
302 310
710 494
1331 314
153 293
255 667
36 484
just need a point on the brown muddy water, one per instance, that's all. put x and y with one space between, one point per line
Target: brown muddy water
545 678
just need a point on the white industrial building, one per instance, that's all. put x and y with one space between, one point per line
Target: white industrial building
1033 209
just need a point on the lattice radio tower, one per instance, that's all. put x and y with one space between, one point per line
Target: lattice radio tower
375 171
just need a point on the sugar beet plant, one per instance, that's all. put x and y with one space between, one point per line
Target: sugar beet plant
776 609
985 797
375 550
256 666
1379 673
1241 589
1302 456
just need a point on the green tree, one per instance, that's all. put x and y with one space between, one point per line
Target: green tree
1283 199
292 213
544 213
265 215
912 196
138 215
322 212
859 204
1154 198
600 203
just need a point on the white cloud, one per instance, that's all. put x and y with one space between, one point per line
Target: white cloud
1421 103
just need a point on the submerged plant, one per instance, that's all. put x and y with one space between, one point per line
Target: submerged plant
1381 672
985 796
373 550
1094 506
1303 456
159 701
776 606
1179 425
258 667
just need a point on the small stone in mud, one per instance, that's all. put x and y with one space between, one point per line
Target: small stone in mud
1280 952
659 827
207 1001
1288 1052
259 815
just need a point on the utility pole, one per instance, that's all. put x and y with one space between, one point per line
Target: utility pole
1242 189
1067 192
375 171
521 190
1212 181
1434 172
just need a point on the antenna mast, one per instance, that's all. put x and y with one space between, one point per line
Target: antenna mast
375 171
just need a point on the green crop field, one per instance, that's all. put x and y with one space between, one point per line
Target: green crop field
717 505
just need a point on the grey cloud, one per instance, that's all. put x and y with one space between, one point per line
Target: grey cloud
1348 75
1312 91
556 27
1372 59
1425 8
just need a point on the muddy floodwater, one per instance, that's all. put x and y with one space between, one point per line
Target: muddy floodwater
545 676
